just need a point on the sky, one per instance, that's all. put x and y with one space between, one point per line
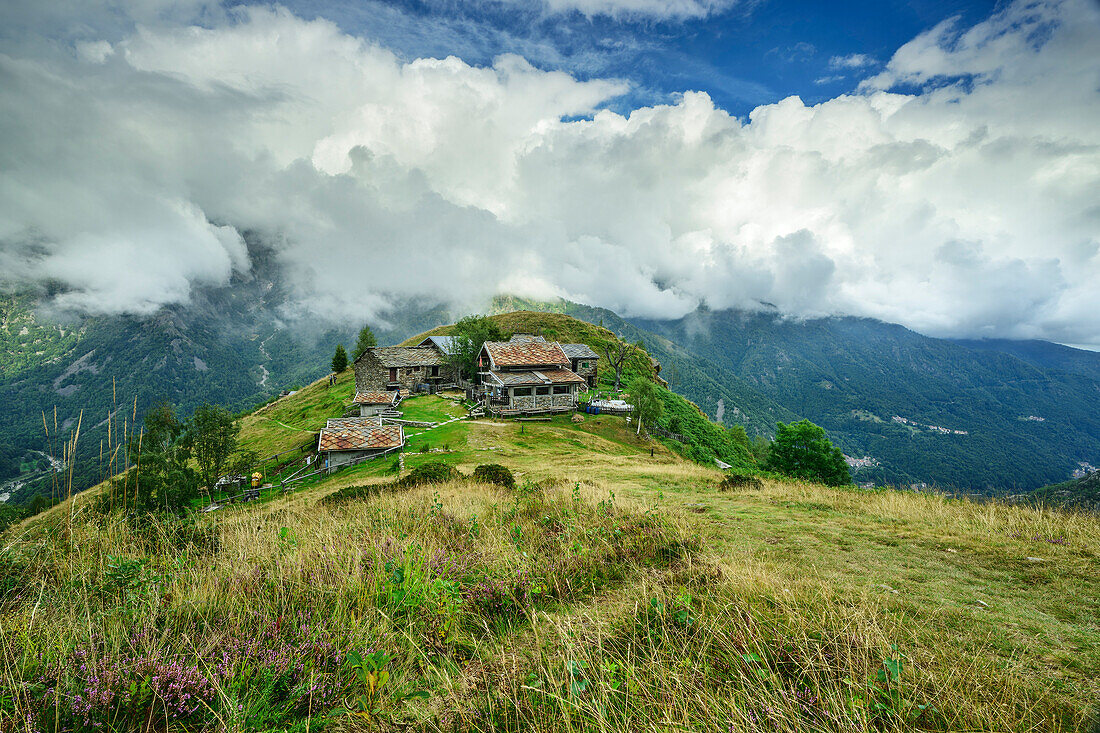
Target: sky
930 163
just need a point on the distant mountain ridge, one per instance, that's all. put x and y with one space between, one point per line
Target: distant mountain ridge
996 416
921 410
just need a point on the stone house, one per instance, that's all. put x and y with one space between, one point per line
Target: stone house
374 402
393 368
525 375
347 440
582 361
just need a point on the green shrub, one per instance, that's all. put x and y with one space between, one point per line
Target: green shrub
435 472
735 480
494 473
349 493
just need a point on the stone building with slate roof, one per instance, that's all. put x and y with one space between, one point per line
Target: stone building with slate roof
375 402
393 368
527 374
582 361
346 440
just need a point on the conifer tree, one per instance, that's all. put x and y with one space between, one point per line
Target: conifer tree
339 359
366 341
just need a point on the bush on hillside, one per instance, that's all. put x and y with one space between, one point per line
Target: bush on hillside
802 450
494 473
734 480
435 472
349 493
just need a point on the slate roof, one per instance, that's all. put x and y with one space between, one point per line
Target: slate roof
375 398
359 434
443 343
407 356
579 351
504 354
540 377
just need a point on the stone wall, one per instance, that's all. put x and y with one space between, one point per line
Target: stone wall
370 374
589 372
543 402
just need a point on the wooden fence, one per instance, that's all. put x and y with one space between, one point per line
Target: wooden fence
657 430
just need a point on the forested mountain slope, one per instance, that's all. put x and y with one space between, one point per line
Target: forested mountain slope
230 346
926 409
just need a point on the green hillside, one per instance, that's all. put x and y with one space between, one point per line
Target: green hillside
709 441
618 587
231 346
1080 493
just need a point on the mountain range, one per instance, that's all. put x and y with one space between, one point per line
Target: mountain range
986 416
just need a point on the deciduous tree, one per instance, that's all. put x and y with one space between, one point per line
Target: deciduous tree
470 334
618 352
802 450
213 437
648 406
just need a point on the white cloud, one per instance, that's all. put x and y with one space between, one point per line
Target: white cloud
662 9
966 207
851 61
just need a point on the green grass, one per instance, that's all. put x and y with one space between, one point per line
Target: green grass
291 421
618 588
430 408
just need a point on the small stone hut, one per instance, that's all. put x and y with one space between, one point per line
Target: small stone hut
376 402
347 440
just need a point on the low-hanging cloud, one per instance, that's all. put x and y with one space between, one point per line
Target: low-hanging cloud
954 192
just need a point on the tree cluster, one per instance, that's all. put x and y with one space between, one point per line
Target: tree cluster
170 459
470 334
802 450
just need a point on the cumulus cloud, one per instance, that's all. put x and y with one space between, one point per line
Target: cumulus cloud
954 193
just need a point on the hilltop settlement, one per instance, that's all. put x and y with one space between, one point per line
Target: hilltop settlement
525 375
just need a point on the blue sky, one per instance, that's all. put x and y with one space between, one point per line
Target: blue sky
742 56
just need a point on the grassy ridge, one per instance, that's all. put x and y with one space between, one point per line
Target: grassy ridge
619 587
606 606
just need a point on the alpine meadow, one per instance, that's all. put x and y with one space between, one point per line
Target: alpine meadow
661 366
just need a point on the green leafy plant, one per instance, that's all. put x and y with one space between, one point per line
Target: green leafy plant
370 672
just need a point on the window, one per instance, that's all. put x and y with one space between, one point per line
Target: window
584 365
408 372
435 371
393 374
561 389
542 390
521 392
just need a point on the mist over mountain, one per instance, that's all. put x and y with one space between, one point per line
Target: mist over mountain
235 345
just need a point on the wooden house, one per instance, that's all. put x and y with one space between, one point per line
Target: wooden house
527 375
